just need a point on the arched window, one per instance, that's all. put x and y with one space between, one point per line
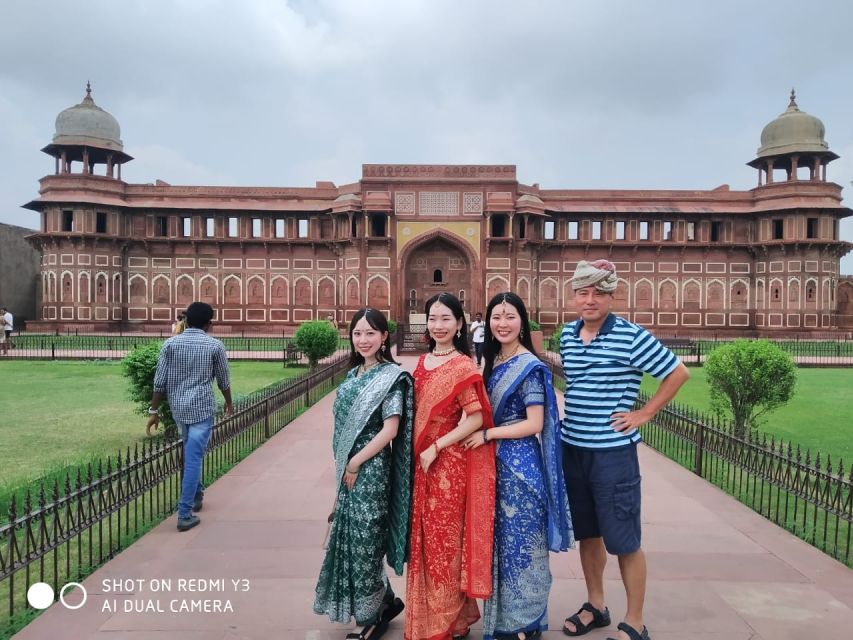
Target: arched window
462 297
437 277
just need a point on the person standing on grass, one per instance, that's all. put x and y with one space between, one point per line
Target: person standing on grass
187 365
8 326
604 358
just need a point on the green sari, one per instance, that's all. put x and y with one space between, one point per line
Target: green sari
372 520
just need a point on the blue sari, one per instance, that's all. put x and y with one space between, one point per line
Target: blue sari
531 509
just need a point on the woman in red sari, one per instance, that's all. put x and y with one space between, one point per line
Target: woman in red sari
453 504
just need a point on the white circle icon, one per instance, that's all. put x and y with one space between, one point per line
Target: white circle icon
62 595
40 595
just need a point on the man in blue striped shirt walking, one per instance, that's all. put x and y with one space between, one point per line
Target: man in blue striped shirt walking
604 358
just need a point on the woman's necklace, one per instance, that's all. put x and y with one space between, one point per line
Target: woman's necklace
446 352
370 366
501 357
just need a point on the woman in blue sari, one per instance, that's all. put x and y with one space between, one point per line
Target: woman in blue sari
531 508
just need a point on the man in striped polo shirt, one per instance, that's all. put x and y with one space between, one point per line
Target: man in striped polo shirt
604 358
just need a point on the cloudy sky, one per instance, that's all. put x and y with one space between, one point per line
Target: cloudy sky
578 94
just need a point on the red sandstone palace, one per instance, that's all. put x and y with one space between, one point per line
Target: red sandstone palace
118 254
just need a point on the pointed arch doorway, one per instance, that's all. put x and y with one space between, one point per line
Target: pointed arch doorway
435 264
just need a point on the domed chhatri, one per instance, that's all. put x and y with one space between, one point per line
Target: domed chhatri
86 133
791 142
86 123
793 131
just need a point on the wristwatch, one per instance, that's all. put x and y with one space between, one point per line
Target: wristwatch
153 412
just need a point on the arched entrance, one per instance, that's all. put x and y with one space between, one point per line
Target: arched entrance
435 265
845 305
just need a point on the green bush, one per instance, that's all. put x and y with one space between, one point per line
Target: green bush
139 367
534 326
392 326
554 341
317 339
749 378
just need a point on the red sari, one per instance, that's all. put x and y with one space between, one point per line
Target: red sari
453 506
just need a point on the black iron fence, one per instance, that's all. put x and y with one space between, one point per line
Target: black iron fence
28 346
806 493
836 352
65 531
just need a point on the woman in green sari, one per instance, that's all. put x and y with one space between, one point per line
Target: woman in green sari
372 445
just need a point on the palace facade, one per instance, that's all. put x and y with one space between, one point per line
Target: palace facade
116 254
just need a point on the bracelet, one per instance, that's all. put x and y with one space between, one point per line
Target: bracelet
152 411
485 436
435 444
348 470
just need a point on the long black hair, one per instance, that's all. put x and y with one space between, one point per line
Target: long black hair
491 346
376 319
460 339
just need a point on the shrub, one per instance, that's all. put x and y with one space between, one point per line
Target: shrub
749 378
317 339
392 326
534 326
139 367
554 340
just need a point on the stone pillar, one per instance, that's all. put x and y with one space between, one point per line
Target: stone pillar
759 177
56 165
110 165
815 169
64 162
770 172
119 172
793 174
85 162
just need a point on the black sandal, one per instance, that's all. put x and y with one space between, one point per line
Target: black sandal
461 636
392 610
528 635
370 631
632 632
599 619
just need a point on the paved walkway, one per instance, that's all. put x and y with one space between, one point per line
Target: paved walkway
717 571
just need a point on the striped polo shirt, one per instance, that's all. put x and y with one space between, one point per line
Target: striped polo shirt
604 377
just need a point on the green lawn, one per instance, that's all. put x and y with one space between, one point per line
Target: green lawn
816 418
56 413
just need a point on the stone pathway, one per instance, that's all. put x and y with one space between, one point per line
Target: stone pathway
717 570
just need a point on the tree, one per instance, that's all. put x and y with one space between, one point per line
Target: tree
139 367
749 378
317 340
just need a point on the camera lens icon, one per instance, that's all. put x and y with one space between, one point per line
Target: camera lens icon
40 595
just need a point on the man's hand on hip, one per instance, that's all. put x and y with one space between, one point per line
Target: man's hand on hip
626 420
